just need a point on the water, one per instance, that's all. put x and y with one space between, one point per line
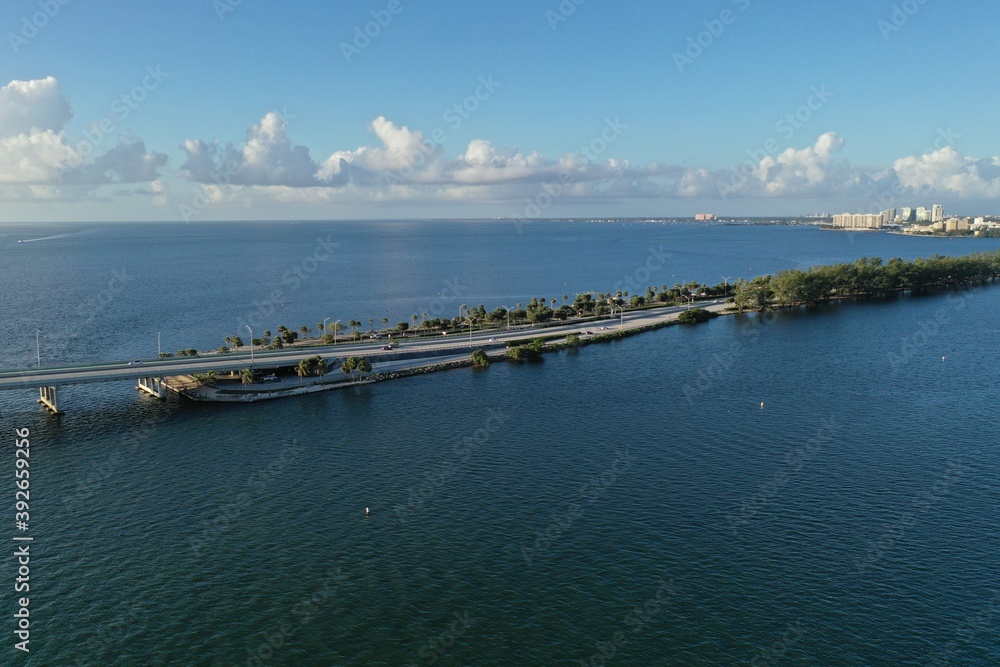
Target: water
527 514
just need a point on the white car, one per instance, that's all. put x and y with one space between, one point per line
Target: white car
270 378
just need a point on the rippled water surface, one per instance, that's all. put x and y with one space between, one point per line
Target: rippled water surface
816 487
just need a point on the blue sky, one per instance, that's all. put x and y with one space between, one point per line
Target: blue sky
244 109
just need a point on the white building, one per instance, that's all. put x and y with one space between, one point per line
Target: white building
859 220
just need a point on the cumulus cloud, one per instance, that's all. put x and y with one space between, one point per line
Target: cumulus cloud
268 157
32 106
948 171
403 165
37 162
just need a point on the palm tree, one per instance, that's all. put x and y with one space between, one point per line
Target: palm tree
553 301
302 369
208 379
371 324
415 320
385 322
363 366
319 327
247 376
319 368
349 366
304 330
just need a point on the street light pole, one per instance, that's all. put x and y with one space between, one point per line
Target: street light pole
727 284
158 350
38 347
508 316
251 345
325 320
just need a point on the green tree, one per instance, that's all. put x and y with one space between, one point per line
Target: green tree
246 376
480 359
696 316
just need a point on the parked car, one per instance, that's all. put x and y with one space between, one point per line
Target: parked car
137 362
270 378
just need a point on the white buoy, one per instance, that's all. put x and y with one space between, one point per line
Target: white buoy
367 511
943 358
762 405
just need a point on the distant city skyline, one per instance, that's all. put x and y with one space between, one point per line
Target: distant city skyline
394 109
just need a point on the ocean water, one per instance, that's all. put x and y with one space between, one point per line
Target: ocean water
815 487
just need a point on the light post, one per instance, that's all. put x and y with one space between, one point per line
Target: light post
508 316
470 331
251 345
325 320
727 284
158 350
38 347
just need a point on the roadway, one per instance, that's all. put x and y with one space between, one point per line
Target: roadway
371 349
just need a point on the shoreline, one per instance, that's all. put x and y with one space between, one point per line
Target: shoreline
551 343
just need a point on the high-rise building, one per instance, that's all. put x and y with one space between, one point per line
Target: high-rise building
859 220
923 215
938 213
890 215
908 214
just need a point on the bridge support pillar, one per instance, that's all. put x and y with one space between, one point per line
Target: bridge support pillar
49 397
153 387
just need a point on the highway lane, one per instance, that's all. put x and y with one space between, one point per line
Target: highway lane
264 360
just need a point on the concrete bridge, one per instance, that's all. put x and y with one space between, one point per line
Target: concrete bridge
148 374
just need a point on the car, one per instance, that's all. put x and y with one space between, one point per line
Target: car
588 333
137 362
387 347
270 378
492 340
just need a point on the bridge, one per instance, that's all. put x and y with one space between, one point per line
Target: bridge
149 374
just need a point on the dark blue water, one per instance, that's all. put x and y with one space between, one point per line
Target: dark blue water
627 504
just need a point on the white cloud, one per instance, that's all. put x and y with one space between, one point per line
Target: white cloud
404 166
267 158
947 171
32 106
34 150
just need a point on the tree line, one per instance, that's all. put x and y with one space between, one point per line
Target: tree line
866 277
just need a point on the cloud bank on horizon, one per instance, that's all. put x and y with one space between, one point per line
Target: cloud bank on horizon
39 163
